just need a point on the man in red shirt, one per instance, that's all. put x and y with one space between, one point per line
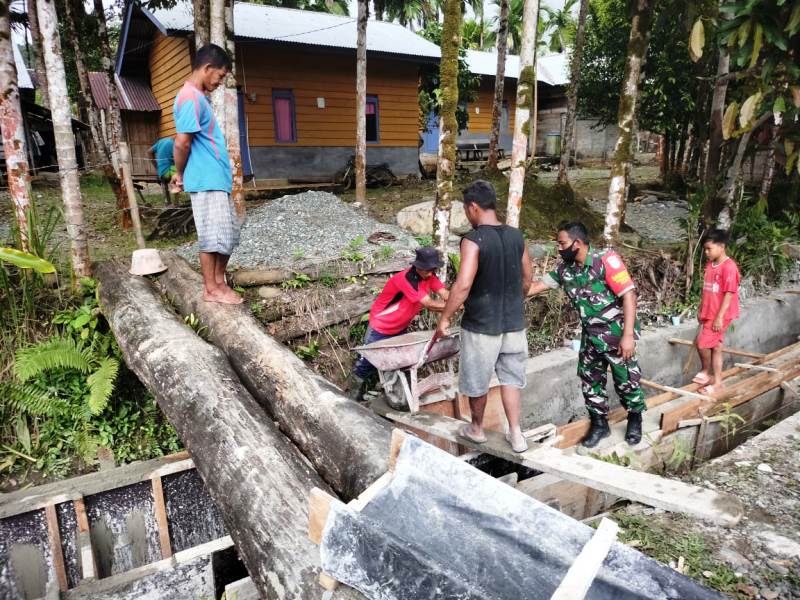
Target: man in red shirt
719 305
402 298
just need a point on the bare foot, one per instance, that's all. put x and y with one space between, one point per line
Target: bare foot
221 297
232 296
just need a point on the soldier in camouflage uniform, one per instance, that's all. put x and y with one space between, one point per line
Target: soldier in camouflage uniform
601 290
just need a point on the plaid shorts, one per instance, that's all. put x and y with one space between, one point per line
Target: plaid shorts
218 226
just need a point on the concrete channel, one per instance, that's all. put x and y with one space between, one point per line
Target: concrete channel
150 530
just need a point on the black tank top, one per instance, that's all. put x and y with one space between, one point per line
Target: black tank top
495 302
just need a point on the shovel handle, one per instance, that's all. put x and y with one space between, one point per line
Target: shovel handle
425 353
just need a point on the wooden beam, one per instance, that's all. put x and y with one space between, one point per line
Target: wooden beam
725 349
39 497
755 367
319 506
581 574
86 555
673 390
646 488
54 535
160 509
398 437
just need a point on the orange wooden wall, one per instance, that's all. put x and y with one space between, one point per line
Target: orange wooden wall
481 122
312 75
170 66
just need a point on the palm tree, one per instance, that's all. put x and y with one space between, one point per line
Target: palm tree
561 25
515 27
477 34
337 7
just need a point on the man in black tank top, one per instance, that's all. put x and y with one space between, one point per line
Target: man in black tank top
492 282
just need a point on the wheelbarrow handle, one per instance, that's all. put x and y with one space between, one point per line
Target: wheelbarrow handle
425 353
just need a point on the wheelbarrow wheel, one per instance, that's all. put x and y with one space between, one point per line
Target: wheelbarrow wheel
396 400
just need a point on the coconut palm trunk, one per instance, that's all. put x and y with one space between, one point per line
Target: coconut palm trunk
225 98
64 138
628 104
499 81
526 86
38 56
572 97
769 174
445 170
361 102
13 130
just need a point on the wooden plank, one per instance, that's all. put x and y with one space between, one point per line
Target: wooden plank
319 506
755 367
38 497
86 554
373 490
673 390
669 494
160 508
581 574
725 349
398 437
54 535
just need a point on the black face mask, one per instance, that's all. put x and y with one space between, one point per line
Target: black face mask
569 254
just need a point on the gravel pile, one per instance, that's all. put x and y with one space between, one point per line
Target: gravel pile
311 226
655 221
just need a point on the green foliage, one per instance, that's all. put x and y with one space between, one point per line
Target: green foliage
353 251
757 241
455 262
300 280
196 325
385 252
26 260
424 240
621 460
310 351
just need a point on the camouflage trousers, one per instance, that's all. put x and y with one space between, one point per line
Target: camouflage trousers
593 364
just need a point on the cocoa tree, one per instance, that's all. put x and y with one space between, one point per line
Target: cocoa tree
572 95
38 56
499 81
361 101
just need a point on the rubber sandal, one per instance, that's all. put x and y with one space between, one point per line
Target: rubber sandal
518 449
701 380
708 390
463 432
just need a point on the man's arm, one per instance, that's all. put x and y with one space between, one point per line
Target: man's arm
180 152
627 345
431 304
723 308
460 290
527 271
444 293
537 287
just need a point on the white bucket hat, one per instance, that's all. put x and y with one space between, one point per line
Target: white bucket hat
146 261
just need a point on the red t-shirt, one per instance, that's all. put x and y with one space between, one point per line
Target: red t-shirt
717 281
399 301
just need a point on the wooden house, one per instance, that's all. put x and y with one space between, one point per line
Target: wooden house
296 71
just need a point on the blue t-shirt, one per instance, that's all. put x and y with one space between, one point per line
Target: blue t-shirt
164 156
208 168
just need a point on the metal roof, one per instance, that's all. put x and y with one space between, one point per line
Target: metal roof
23 77
289 25
550 69
134 94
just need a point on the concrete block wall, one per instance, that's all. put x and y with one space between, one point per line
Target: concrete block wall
553 393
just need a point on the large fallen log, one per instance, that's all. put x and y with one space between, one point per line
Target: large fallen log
254 474
295 326
344 441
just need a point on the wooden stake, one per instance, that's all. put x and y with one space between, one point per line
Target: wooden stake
319 506
160 508
581 574
85 549
756 367
725 349
674 390
55 546
398 437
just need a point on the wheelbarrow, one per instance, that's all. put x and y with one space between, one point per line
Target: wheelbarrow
398 360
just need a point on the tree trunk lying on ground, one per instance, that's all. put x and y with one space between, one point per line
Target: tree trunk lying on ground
297 326
339 269
253 473
346 442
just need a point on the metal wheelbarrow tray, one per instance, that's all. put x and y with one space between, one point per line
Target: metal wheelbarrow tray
409 352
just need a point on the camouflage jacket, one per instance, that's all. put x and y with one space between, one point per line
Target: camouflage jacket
595 289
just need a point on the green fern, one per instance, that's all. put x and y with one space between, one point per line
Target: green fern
101 384
55 353
30 398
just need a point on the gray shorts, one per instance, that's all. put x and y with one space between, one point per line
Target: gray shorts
484 355
218 226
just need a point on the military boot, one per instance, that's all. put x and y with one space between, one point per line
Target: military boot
598 430
633 434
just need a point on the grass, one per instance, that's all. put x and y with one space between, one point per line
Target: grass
667 541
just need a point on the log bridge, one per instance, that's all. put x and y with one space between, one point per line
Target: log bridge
263 429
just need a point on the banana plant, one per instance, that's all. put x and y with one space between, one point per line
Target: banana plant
26 260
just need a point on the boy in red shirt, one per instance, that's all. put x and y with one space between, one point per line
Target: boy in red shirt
402 298
719 305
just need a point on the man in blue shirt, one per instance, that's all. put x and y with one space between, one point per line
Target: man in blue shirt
203 169
162 152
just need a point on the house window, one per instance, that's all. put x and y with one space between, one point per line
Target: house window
372 119
284 115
